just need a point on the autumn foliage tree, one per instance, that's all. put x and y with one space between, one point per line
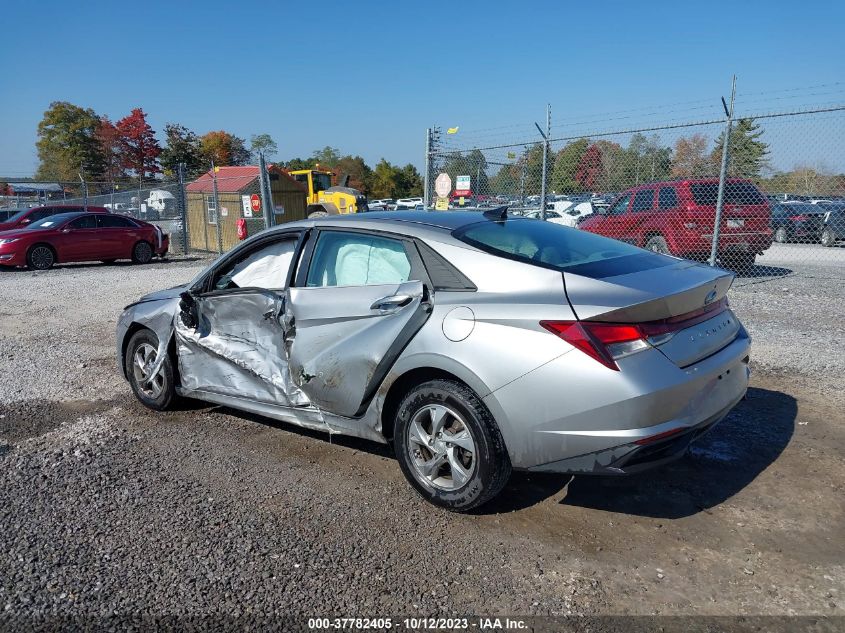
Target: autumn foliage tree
108 136
589 168
224 148
67 143
138 148
691 158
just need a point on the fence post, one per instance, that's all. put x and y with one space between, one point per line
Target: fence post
545 158
217 215
84 192
427 176
723 173
183 206
266 193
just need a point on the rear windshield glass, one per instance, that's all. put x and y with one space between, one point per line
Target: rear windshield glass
558 247
706 193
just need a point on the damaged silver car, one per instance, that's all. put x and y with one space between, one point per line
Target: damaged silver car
474 343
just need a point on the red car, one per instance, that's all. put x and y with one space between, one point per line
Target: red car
26 217
82 237
677 218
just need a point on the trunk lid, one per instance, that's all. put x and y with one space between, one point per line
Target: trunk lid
675 294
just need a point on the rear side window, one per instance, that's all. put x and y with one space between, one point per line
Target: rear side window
667 198
108 221
357 259
618 207
643 201
558 247
706 193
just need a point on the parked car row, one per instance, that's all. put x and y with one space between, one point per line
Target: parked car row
40 237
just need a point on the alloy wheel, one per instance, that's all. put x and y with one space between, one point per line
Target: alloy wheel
143 252
41 257
143 361
441 448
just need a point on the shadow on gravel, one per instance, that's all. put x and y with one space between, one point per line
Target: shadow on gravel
358 444
761 270
120 264
718 466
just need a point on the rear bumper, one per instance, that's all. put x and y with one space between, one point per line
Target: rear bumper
737 242
574 415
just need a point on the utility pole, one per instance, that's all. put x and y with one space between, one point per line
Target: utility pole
427 177
723 172
84 193
545 158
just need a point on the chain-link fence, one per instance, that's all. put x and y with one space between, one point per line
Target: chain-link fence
770 202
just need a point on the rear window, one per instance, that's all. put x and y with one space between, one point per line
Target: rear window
706 193
551 245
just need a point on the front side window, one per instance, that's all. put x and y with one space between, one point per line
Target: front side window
210 210
322 182
266 268
643 201
357 259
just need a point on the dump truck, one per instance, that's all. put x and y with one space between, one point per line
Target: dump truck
323 198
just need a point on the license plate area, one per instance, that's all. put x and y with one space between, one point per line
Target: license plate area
736 223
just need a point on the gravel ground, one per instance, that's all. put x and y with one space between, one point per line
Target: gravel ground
107 508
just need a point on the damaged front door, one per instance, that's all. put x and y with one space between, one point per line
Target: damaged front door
361 301
229 336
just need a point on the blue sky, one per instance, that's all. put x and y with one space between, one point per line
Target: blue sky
369 77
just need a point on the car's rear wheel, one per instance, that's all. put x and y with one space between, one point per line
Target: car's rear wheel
828 238
40 257
782 235
142 253
449 447
317 214
657 243
154 391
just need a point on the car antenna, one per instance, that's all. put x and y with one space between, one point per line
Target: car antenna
499 213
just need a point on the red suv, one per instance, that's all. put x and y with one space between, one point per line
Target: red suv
21 219
677 218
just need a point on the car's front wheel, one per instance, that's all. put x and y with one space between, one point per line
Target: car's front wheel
657 244
156 391
781 235
449 447
40 257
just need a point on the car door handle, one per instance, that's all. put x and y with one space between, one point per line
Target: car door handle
392 302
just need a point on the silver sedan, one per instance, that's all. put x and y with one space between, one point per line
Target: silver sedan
474 343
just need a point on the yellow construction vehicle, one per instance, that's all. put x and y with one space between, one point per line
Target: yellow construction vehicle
323 199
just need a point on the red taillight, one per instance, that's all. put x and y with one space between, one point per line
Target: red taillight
798 218
605 342
596 339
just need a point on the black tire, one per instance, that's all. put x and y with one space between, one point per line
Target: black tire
657 243
781 235
165 377
142 253
491 463
828 237
40 257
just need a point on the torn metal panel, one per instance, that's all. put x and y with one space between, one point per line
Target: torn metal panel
155 312
237 348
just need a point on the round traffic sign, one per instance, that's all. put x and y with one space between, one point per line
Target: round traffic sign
443 185
255 202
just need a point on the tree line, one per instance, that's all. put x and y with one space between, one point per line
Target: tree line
77 143
584 165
